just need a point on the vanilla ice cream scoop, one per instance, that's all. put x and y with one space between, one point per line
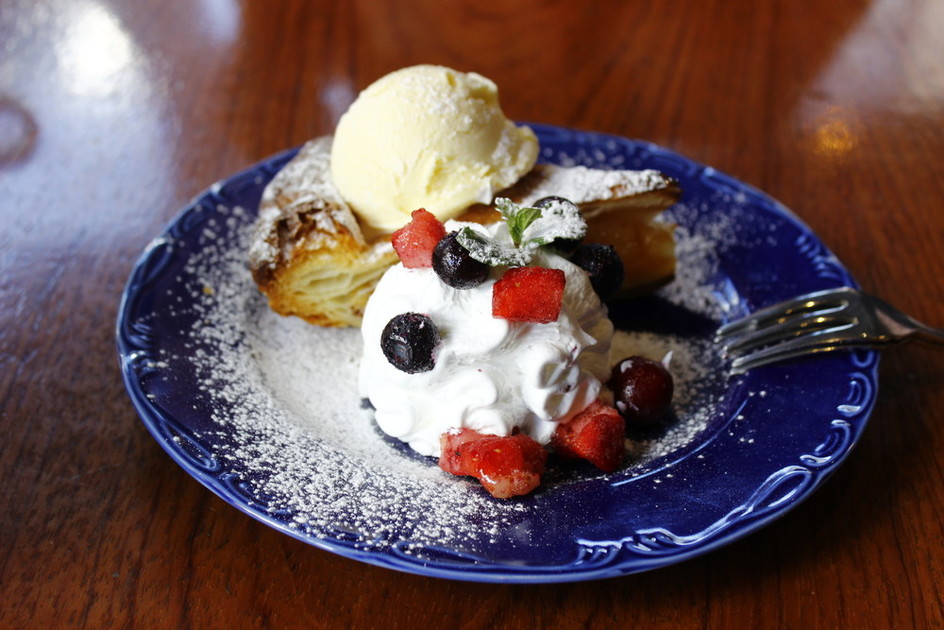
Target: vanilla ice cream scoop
426 137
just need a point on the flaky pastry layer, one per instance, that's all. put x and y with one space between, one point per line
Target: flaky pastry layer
312 259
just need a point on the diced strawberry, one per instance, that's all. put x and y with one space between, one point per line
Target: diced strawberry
451 444
595 434
506 466
416 240
529 294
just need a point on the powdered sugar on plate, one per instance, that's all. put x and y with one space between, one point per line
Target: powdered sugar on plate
262 409
287 421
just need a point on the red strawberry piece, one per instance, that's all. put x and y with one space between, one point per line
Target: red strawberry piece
452 446
416 240
506 466
529 294
595 434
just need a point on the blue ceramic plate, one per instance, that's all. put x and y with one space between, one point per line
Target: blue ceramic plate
211 371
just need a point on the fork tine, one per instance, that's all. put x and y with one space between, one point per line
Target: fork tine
814 323
795 325
829 299
804 345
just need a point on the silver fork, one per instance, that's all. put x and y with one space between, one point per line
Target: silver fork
822 321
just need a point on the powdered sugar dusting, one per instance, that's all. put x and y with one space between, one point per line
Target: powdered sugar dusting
288 422
691 365
287 411
582 182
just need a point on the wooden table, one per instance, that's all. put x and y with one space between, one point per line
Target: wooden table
114 114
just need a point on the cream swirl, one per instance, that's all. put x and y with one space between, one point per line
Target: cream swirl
490 374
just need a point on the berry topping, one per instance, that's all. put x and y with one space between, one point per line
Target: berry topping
416 240
553 200
595 434
455 266
604 267
566 246
506 466
642 390
529 294
409 342
452 447
528 230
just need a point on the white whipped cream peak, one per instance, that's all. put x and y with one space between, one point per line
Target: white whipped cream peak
490 374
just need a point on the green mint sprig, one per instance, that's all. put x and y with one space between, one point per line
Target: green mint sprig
528 229
518 218
492 252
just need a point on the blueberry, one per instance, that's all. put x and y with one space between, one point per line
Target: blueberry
565 246
603 265
547 202
409 341
455 266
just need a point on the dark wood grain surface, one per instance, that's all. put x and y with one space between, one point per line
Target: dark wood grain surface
114 114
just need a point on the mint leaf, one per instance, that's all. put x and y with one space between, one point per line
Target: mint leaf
506 207
517 217
528 228
559 219
521 222
490 251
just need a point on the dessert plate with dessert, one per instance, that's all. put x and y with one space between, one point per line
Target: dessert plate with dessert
454 391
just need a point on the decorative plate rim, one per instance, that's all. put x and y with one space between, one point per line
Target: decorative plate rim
643 549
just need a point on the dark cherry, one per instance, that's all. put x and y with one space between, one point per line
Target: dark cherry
565 246
455 266
642 390
409 342
603 265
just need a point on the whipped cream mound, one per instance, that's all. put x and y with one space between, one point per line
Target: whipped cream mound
490 374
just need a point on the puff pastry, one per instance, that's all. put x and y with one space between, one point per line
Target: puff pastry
312 259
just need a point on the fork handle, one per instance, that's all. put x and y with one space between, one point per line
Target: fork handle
926 333
904 326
